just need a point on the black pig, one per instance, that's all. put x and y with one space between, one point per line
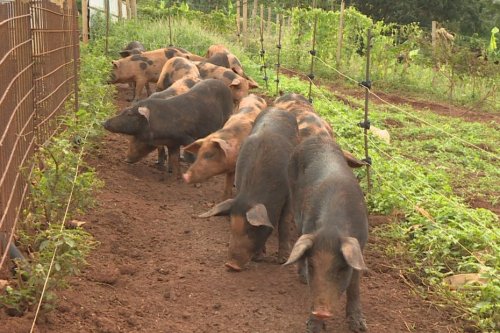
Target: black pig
262 201
330 213
173 122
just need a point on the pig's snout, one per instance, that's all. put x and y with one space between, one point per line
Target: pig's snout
322 314
187 177
233 266
105 124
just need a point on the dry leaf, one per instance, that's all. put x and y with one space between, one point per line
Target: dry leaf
424 213
459 280
75 223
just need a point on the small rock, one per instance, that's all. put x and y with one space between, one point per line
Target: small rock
251 289
217 306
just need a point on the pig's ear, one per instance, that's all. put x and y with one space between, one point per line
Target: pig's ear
144 111
222 208
235 83
251 83
115 63
352 253
352 161
238 70
224 145
304 243
124 53
257 216
195 146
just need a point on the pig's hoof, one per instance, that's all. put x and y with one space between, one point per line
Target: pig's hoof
357 323
160 166
314 325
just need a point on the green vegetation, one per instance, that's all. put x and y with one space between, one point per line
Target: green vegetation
61 175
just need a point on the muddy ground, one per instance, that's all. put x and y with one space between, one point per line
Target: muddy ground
158 268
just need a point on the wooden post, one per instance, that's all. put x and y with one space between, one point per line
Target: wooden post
313 54
245 21
133 8
279 22
254 15
129 12
120 14
170 30
106 8
340 35
262 51
85 21
366 123
238 15
434 35
268 28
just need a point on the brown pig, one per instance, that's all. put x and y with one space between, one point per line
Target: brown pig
234 62
175 69
145 67
218 152
238 85
262 202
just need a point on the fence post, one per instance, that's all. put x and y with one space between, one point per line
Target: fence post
120 14
268 27
313 54
366 122
76 54
340 34
238 15
85 21
262 51
245 22
106 8
254 15
434 35
170 29
133 4
279 21
127 7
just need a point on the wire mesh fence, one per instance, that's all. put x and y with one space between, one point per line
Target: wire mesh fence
38 67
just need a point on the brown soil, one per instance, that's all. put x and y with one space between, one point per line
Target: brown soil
158 268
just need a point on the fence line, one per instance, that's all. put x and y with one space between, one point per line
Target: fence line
374 145
38 62
410 114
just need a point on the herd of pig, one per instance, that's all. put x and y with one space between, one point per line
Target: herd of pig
283 161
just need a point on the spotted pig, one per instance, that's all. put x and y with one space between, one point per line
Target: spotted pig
217 153
176 68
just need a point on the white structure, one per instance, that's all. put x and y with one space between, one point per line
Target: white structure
99 6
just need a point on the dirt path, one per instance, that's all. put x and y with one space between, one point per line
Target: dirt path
160 269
